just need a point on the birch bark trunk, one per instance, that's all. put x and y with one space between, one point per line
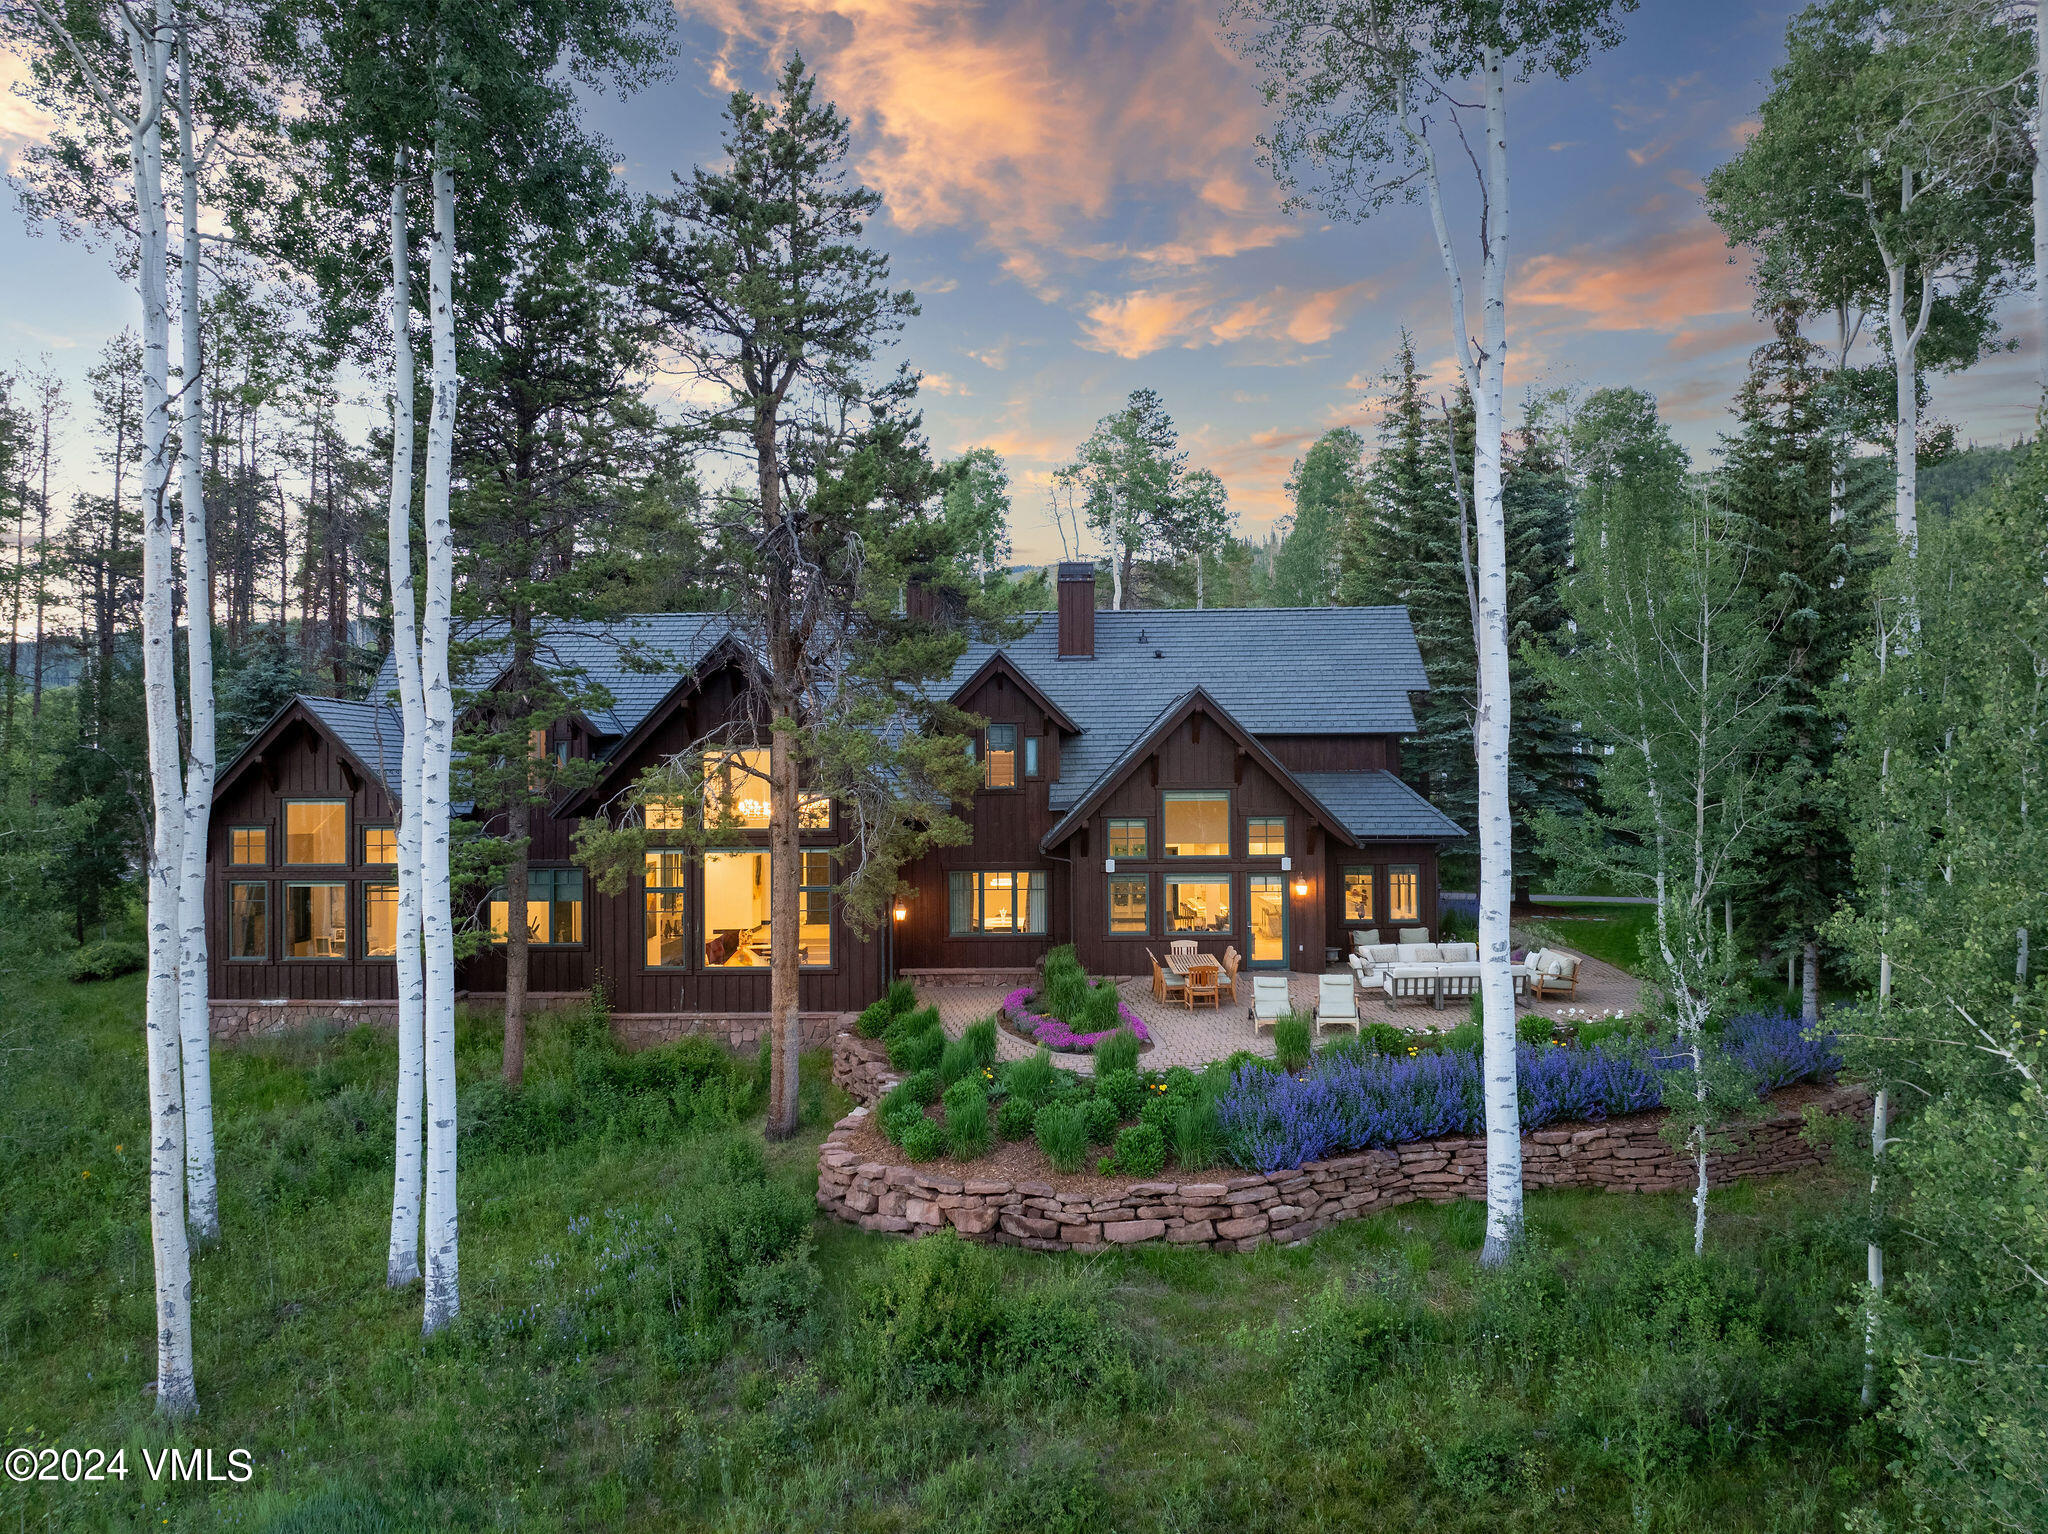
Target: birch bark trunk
149 55
436 920
2041 197
1484 371
202 1194
402 1263
1809 982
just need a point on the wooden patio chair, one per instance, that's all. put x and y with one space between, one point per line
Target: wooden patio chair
1166 985
1232 959
1269 1001
1202 984
1543 987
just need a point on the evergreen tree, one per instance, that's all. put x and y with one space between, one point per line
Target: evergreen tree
1306 568
1810 508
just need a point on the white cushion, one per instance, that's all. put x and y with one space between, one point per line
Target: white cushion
1382 953
1461 953
1560 965
1365 937
1415 934
1429 953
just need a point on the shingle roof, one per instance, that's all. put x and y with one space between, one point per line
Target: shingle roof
636 659
371 730
1279 671
1378 804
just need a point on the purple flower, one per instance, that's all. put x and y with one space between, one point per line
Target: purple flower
1054 1032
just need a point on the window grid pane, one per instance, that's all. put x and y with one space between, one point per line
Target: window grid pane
1265 836
1358 894
316 921
380 921
380 845
316 832
1000 766
1127 838
1404 892
1195 825
249 921
1129 899
249 846
1198 905
736 909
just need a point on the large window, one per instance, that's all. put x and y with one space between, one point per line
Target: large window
249 846
380 921
380 846
554 907
1127 838
667 920
1195 825
736 909
316 831
1404 892
814 910
1265 836
1358 894
736 794
248 921
999 760
316 921
1130 900
1003 903
1198 905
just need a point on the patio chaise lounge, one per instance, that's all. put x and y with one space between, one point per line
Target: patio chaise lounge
1336 1004
1269 1001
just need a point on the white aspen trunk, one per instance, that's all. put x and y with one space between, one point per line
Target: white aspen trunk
1198 580
149 53
436 920
2041 194
1874 1254
1809 982
202 1192
402 1264
1905 354
1484 374
1699 1140
1116 563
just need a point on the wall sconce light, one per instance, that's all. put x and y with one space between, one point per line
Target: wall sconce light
902 909
1301 886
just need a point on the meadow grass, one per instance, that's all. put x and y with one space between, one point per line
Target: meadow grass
1373 1377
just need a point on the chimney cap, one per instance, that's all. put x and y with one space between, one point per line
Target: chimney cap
1077 570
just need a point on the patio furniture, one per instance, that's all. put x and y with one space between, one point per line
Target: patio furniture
1336 1004
1166 986
1202 984
1364 937
1414 934
1553 973
1231 960
1269 1001
1182 948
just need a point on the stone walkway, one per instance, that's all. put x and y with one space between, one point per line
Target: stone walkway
1193 1039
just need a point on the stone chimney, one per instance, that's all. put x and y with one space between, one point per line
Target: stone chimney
1077 610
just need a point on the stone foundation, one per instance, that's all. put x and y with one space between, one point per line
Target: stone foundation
740 1031
1011 978
1239 1213
235 1021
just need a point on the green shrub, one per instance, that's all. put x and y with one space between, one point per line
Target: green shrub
967 1118
1181 1084
924 1140
981 1038
1118 1052
1194 1132
901 997
1141 1151
899 1110
874 1018
919 1051
655 1094
1383 1039
106 959
956 1060
1102 1117
1101 1012
1013 1118
731 1221
1291 1040
1123 1088
923 1086
1063 1338
1534 1028
1065 996
1062 1133
1031 1078
931 1313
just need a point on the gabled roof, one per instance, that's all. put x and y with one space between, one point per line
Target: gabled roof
1378 804
1277 670
635 658
1195 700
368 735
1001 663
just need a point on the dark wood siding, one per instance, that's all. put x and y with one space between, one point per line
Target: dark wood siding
1333 753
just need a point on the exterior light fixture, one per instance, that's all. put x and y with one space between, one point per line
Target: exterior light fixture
902 910
1301 886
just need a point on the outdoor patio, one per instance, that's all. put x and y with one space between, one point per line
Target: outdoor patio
1181 1037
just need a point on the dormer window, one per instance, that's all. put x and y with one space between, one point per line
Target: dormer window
999 759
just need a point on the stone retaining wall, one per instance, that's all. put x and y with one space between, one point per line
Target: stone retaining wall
742 1031
236 1021
1240 1213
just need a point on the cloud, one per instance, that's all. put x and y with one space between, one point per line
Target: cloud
1146 320
23 124
944 383
1665 283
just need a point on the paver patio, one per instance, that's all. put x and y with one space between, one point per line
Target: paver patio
1181 1037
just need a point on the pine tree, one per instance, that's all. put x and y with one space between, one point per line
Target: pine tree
1811 509
1306 568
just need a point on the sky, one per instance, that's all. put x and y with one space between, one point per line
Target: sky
1072 191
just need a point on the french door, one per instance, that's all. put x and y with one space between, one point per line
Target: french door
1266 919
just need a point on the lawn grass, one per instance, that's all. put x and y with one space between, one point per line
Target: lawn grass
1375 1377
1611 934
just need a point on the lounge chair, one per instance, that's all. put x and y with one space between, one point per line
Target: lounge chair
1336 1004
1202 984
1553 973
1269 1001
1166 985
1228 984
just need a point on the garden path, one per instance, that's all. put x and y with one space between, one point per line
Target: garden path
1193 1039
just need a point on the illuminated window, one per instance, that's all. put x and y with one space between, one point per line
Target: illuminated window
1265 836
1198 905
999 764
1404 892
248 921
249 846
1127 838
1195 825
554 907
316 831
1005 903
814 910
1358 894
1031 756
736 794
1130 897
380 921
736 909
316 921
667 922
665 815
380 845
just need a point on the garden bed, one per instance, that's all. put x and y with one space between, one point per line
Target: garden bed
1067 1012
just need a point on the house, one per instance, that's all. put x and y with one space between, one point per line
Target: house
1230 775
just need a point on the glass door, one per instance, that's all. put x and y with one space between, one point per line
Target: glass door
1267 924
